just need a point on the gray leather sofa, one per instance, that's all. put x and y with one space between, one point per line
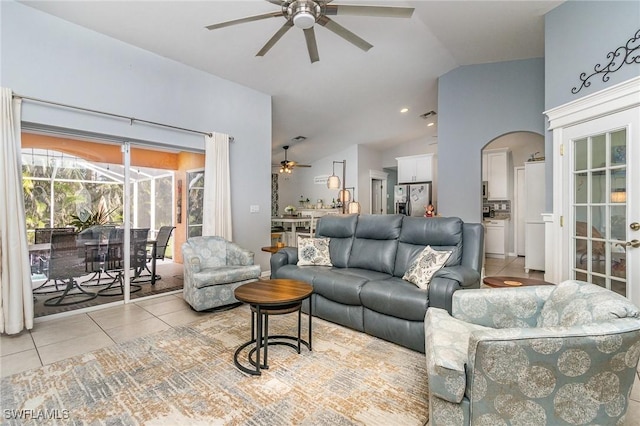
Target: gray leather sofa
364 289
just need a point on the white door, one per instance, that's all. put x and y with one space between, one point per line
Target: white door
376 196
519 211
602 157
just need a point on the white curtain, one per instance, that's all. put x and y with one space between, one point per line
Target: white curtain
16 298
217 187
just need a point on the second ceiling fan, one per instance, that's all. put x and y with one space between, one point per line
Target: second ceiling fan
304 14
287 166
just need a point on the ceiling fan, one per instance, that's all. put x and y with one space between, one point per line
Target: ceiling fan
287 166
304 14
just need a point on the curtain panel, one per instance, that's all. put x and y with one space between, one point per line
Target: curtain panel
16 297
217 188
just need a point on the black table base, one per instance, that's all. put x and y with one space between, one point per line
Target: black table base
264 340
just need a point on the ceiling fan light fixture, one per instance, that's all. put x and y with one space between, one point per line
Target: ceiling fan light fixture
304 20
303 13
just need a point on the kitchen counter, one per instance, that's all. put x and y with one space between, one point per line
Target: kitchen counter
497 217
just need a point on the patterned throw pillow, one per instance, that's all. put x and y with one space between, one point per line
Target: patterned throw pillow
425 265
313 251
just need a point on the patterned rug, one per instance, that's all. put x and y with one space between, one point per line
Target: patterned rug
186 376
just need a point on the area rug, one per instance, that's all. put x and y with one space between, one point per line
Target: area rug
186 376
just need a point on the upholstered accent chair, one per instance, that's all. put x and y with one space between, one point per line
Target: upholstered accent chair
213 268
539 355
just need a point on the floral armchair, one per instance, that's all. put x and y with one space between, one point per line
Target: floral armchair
213 268
537 355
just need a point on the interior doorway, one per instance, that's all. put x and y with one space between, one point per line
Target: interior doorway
377 192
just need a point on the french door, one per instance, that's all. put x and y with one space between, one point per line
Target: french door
602 202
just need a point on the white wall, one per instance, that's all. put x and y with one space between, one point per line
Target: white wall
49 58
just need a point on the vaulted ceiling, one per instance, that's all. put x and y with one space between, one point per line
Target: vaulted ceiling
349 96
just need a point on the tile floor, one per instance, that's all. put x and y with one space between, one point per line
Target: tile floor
511 267
50 340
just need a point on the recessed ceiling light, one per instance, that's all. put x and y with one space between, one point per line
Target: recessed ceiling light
404 110
430 124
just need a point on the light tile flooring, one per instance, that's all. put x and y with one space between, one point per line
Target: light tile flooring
52 340
511 267
60 338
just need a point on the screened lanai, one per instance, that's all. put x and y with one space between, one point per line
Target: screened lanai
63 190
78 186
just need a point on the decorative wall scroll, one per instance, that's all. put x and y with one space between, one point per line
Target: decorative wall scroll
627 54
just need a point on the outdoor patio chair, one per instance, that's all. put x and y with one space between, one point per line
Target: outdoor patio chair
115 259
65 265
40 259
157 252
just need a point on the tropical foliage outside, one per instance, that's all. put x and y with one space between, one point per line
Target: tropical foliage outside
82 197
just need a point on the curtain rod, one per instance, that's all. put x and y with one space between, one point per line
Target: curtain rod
131 119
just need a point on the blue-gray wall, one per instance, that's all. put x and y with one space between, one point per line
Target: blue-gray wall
477 104
579 35
49 58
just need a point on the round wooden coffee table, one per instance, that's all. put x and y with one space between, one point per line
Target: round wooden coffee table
502 282
271 297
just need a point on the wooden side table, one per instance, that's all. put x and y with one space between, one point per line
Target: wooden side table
272 249
503 281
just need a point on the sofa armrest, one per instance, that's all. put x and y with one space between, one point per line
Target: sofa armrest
447 281
284 256
501 307
466 276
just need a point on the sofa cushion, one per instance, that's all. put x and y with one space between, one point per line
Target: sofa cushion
425 265
578 303
376 242
337 286
313 251
225 275
363 273
395 297
340 230
441 233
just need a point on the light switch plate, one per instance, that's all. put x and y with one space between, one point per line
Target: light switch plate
254 208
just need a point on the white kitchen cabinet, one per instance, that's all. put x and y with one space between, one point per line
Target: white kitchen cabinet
415 168
495 238
498 174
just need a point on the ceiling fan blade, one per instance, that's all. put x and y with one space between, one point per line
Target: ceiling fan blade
276 2
243 20
273 40
312 46
303 165
379 11
332 25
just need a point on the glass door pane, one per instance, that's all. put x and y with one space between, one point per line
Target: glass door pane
195 197
599 209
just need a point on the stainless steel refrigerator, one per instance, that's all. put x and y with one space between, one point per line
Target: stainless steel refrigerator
412 199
